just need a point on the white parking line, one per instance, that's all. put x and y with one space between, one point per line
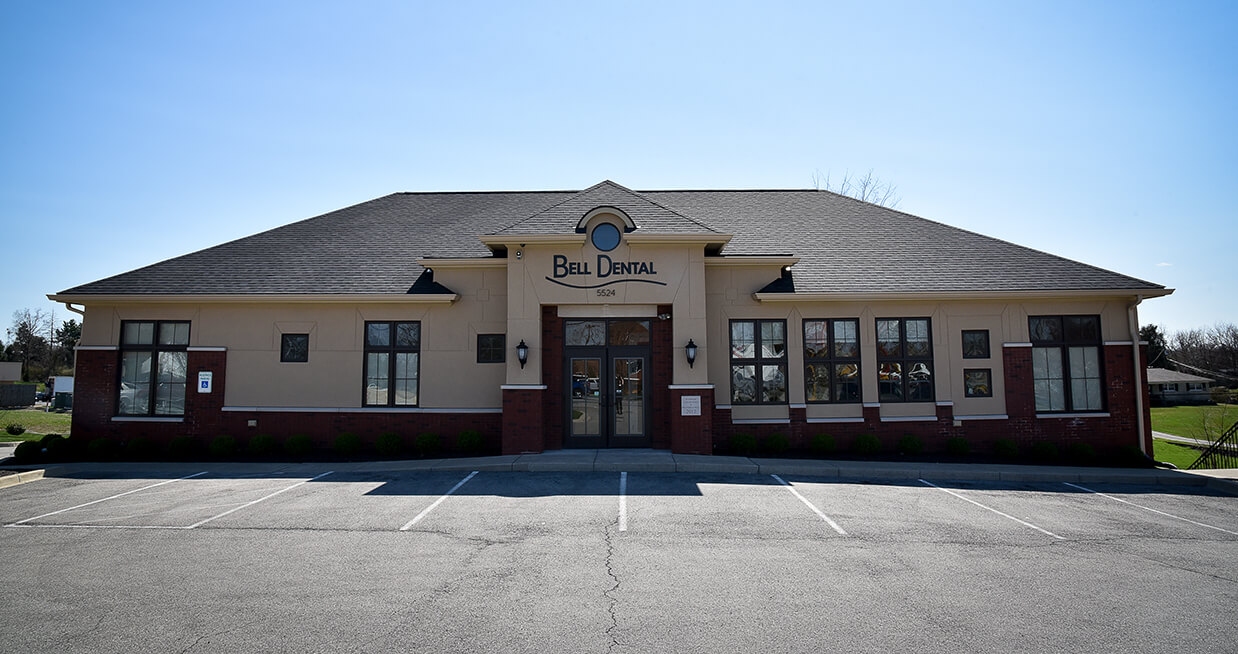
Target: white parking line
1169 515
264 497
623 501
112 497
989 508
810 505
437 502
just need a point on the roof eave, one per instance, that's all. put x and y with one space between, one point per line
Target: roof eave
959 295
286 298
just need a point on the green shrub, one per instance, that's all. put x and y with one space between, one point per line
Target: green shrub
140 448
958 446
1044 451
102 449
390 444
298 445
224 446
822 444
28 451
1131 456
910 445
57 447
262 445
1082 453
1005 448
429 444
743 444
183 447
866 445
776 444
470 442
347 444
15 429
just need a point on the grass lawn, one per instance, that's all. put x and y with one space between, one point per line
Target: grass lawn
1179 455
1188 420
36 421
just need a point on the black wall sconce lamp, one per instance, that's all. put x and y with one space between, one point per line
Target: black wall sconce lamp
522 353
689 350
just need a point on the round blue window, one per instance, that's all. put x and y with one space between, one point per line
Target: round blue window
605 237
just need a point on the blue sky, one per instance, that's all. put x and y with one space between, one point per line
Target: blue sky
1103 132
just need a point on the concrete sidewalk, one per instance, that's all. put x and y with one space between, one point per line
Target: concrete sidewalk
644 460
1181 439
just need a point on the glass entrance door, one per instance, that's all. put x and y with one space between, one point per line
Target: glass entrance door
607 403
628 377
607 363
585 402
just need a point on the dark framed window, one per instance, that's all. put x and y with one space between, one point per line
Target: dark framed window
491 348
977 382
392 363
904 360
758 362
294 348
832 360
154 366
1067 371
975 343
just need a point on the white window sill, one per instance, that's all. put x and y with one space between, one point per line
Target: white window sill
1073 415
148 419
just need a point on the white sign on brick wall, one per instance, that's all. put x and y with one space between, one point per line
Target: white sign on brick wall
690 405
204 382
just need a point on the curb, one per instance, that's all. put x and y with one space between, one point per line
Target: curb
890 471
20 478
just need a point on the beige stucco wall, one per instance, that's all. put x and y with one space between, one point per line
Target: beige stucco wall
729 296
531 284
508 298
450 375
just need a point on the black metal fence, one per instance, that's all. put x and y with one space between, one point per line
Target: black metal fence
1223 453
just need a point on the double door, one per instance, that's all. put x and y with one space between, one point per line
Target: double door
607 402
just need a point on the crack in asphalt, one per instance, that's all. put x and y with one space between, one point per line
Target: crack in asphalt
608 594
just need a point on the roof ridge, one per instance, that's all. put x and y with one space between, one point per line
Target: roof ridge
545 209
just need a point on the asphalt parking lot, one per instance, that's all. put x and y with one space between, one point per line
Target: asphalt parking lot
311 559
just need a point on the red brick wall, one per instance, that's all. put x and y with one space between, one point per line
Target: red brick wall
95 405
553 411
691 434
1106 435
662 404
523 420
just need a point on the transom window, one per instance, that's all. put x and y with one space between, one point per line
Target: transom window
904 360
1066 364
832 360
758 361
392 363
586 333
154 364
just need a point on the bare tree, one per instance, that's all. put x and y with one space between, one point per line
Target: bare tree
868 188
28 345
1211 351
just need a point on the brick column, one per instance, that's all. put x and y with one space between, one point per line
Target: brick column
94 393
204 411
692 434
522 419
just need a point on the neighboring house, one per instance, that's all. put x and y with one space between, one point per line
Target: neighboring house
1172 387
615 318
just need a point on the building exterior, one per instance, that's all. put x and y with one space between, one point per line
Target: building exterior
1169 387
614 318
